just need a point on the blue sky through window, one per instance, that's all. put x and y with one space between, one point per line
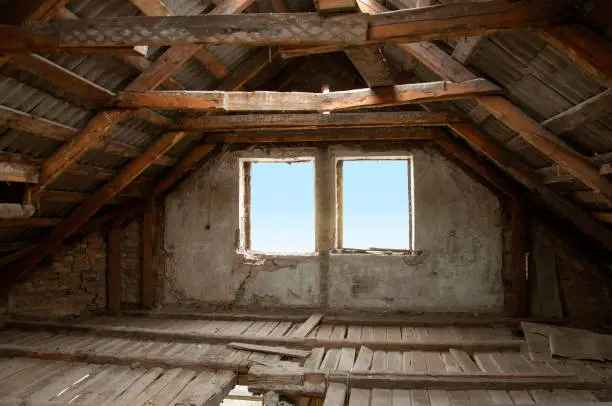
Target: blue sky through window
375 204
282 207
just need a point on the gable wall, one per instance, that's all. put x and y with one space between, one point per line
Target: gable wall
459 232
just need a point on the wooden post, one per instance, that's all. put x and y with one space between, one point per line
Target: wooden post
113 269
518 221
147 263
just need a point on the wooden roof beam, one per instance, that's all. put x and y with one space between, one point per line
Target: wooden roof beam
544 141
17 168
138 62
371 65
301 101
204 56
335 6
283 122
62 78
30 222
583 46
83 213
466 47
100 125
413 25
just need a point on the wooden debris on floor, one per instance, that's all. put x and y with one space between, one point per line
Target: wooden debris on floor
546 341
284 351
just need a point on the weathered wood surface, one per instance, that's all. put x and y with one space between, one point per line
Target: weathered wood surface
307 343
308 326
288 352
302 101
80 216
372 65
328 135
279 122
466 47
587 111
583 46
36 125
411 25
17 168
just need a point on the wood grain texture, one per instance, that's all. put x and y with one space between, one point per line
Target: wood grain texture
302 101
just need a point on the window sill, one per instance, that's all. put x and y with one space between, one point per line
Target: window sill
379 251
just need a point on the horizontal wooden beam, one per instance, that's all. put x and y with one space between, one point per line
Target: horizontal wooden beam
328 135
301 101
283 122
411 25
556 174
587 111
76 197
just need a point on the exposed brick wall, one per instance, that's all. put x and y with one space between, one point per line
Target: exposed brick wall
73 284
584 283
130 265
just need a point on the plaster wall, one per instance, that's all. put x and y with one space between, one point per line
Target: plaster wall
458 238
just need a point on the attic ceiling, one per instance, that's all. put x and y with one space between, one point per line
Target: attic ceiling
533 102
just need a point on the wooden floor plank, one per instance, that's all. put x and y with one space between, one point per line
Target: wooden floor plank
15 365
171 389
486 363
367 333
458 398
353 332
64 381
379 362
31 379
280 329
364 360
521 397
414 362
499 397
338 332
464 360
325 331
382 397
154 388
331 359
347 359
105 381
479 397
433 362
394 361
543 396
380 333
308 325
401 397
119 385
409 333
335 395
267 328
438 397
139 386
420 397
360 397
450 363
315 359
206 389
394 333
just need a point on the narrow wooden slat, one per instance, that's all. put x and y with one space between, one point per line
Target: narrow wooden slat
360 397
36 125
308 325
347 358
466 47
464 361
364 360
207 389
335 395
585 112
371 65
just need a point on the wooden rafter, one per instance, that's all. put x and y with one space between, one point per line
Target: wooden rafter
466 47
283 122
203 55
371 64
446 67
62 78
99 127
83 213
412 25
301 101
